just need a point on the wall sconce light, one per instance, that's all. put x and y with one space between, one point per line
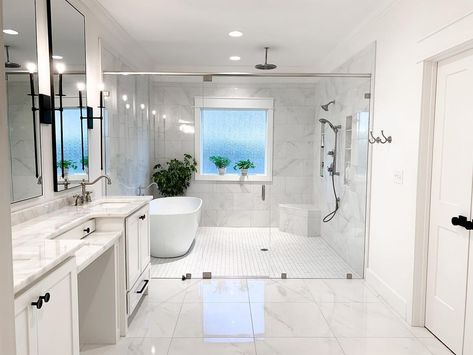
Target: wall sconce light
90 117
142 106
31 70
125 98
127 106
61 68
153 112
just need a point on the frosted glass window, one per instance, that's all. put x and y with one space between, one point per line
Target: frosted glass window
237 134
237 129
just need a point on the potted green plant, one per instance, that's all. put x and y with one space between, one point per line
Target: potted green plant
220 162
67 164
243 166
174 178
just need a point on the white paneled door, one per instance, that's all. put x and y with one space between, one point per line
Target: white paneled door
451 202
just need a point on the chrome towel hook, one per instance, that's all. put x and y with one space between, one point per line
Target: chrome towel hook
374 139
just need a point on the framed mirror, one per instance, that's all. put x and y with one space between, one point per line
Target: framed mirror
68 82
20 58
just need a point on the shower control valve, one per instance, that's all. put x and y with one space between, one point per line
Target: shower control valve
331 152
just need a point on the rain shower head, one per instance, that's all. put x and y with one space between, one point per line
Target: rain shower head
8 64
325 107
266 65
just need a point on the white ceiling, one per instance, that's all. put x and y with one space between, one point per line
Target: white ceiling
193 34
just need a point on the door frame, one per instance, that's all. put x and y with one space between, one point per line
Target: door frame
424 180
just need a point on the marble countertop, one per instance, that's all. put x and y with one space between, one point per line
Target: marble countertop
93 246
35 251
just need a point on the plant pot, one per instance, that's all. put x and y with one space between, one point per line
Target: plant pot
244 172
221 171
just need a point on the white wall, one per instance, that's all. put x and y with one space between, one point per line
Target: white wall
7 324
407 33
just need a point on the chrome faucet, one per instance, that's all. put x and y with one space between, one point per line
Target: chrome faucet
85 195
145 188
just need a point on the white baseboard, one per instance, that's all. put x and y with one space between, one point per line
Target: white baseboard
396 301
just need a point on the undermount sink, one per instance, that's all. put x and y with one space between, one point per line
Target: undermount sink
109 205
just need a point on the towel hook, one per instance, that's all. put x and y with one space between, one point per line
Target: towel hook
386 139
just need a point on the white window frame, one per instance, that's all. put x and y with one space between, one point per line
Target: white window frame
261 103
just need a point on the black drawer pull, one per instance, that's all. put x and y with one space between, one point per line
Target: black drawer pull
87 230
38 304
46 297
143 217
143 288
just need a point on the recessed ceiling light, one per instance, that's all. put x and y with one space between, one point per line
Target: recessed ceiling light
57 57
235 58
235 34
9 31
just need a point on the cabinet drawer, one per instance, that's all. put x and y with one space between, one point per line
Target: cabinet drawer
138 290
79 232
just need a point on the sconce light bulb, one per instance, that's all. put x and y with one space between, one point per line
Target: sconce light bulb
142 106
80 86
164 116
31 67
61 68
127 106
101 87
125 98
153 112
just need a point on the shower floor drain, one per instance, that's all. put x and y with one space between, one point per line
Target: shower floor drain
264 249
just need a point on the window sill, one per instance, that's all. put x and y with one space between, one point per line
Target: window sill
233 177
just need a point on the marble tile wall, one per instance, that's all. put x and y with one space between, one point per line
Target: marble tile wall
236 204
129 137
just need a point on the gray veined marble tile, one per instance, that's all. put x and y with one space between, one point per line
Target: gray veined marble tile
281 320
376 346
279 291
212 346
298 346
154 320
130 346
364 320
214 320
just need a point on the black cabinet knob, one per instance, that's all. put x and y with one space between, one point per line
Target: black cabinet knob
46 297
38 304
143 217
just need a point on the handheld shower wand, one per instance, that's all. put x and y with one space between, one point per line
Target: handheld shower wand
333 169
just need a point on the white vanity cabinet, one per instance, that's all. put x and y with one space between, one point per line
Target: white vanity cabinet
46 314
137 235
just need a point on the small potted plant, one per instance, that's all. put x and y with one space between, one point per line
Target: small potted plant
220 162
67 164
243 166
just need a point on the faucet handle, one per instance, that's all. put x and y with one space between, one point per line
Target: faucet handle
77 200
88 197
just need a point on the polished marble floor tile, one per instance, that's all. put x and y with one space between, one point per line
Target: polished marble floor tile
168 290
288 320
214 320
206 346
298 346
154 320
341 291
435 346
364 320
131 346
217 290
377 346
279 291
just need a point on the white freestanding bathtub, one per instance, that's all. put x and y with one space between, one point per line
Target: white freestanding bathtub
174 222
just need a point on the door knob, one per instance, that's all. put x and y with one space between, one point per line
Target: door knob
46 297
462 221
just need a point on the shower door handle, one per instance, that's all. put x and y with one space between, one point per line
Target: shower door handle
263 192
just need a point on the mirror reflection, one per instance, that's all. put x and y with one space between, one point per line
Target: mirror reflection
19 33
70 146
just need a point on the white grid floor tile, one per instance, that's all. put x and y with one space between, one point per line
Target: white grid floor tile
236 252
